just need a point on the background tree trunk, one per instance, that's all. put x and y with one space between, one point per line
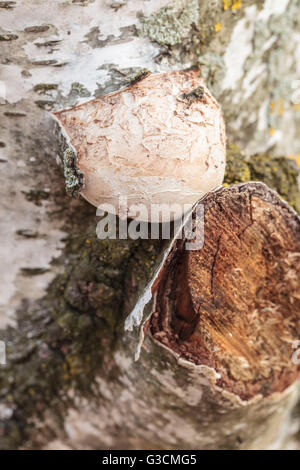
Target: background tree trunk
70 379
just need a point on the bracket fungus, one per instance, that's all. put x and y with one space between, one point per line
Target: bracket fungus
159 141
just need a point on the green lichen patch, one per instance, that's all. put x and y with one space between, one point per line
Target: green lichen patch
278 173
186 30
137 75
78 90
237 169
73 176
171 24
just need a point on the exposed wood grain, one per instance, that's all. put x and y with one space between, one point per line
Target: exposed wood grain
234 305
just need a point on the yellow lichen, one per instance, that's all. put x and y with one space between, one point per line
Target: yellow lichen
233 4
277 107
227 4
296 158
237 5
271 131
218 27
281 107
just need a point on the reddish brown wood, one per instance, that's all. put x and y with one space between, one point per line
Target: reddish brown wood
234 305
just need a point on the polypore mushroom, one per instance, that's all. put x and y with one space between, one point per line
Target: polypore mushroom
159 141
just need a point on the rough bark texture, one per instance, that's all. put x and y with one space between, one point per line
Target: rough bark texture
68 361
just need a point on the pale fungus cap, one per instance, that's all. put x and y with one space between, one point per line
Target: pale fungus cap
159 141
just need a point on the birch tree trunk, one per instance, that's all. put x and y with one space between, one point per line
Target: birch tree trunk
70 380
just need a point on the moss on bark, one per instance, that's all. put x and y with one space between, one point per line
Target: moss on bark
61 342
278 173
